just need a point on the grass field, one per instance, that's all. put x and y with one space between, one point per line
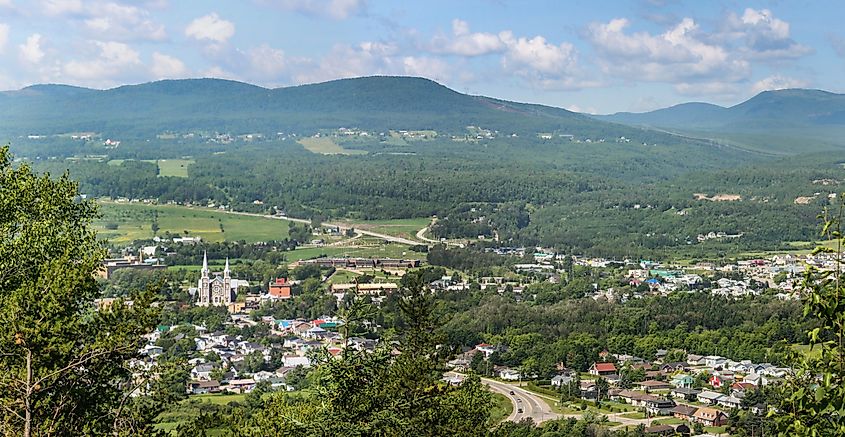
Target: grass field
174 167
405 228
134 221
502 408
804 349
390 250
327 146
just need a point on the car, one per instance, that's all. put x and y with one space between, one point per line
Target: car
519 400
511 391
519 410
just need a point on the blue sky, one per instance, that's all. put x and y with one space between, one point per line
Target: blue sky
590 56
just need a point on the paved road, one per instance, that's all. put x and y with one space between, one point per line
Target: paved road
340 226
532 405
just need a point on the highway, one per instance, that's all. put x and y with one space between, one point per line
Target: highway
532 405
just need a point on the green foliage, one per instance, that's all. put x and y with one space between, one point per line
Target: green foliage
65 361
813 400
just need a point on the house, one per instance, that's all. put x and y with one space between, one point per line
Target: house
730 402
561 380
717 381
280 289
203 387
695 360
202 371
756 379
709 397
589 390
687 394
242 385
659 406
738 389
710 417
684 412
666 430
602 369
714 361
652 384
509 374
678 366
486 349
682 381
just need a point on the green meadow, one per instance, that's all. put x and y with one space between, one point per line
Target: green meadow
124 223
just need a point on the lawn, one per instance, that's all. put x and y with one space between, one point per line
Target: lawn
134 221
327 146
174 167
634 415
804 349
502 408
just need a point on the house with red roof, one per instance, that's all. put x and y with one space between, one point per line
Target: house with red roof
603 369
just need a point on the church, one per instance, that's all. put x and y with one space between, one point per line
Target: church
216 291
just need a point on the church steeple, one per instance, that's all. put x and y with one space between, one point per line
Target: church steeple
204 270
226 269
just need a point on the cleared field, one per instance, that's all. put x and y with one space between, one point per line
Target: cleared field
174 167
405 228
390 250
124 223
327 146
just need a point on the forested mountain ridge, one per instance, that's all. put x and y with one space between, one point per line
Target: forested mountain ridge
377 103
789 121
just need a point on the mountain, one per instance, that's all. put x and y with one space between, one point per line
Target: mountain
374 103
787 121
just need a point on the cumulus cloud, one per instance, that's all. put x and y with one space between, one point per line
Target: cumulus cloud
335 9
677 54
429 67
61 7
30 51
266 62
462 42
762 35
777 82
210 28
167 67
113 59
123 22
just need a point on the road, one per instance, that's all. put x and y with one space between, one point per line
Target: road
342 227
532 405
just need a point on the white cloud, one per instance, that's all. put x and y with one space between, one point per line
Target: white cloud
30 51
462 42
62 7
537 54
777 82
683 54
113 59
762 35
167 67
431 68
123 22
210 28
266 62
335 9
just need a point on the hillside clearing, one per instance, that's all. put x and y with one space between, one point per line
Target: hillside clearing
327 146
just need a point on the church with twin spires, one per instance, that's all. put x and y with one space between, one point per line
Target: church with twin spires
216 291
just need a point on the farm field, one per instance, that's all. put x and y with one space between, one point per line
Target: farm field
134 221
405 228
174 167
327 146
390 250
166 167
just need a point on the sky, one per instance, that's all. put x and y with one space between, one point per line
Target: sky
589 56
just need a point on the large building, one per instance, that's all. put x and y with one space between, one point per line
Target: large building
216 291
